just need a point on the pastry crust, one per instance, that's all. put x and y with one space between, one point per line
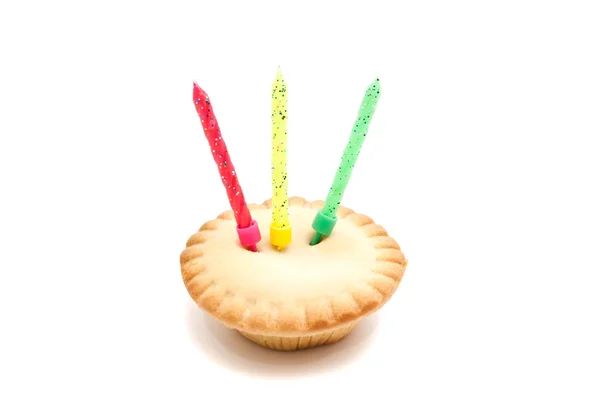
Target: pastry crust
295 313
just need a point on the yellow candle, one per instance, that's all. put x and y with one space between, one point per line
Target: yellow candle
281 232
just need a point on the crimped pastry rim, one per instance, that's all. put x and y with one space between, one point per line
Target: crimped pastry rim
388 267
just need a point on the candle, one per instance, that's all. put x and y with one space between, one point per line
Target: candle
326 218
281 231
247 228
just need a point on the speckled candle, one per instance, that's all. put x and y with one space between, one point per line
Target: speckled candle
221 155
326 217
357 137
279 151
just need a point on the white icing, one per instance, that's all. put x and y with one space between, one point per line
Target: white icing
300 272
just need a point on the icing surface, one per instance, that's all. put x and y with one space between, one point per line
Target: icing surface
299 273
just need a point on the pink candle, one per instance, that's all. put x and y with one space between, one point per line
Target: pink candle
221 155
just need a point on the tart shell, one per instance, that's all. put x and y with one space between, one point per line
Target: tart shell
230 286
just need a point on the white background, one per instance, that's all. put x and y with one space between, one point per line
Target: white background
482 161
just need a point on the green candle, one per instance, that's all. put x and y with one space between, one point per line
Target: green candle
326 217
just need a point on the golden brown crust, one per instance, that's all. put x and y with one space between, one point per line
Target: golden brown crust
330 312
300 342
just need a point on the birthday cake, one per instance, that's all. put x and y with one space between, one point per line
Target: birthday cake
303 297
